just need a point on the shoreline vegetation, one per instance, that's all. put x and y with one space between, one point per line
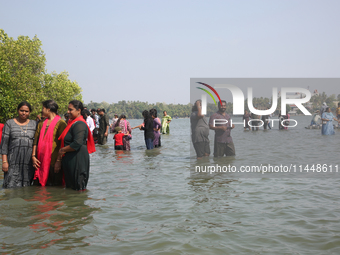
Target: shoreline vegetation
23 77
134 109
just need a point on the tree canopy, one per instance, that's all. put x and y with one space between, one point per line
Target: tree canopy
23 77
134 109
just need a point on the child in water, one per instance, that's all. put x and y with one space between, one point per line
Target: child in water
119 138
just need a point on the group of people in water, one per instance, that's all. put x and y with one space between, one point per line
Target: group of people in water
50 152
221 124
152 127
326 117
54 152
253 121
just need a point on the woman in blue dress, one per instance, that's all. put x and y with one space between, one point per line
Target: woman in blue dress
327 122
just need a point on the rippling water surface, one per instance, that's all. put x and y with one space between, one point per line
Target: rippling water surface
145 202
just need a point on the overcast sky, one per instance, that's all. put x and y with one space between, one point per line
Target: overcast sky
149 50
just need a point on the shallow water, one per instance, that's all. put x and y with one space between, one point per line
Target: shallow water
145 202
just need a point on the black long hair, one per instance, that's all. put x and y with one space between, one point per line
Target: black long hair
153 112
52 105
87 112
146 114
25 103
118 121
79 105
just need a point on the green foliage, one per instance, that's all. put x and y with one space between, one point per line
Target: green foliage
60 89
23 77
318 100
22 66
134 109
8 102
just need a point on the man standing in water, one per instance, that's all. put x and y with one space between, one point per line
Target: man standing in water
166 123
104 125
255 121
223 144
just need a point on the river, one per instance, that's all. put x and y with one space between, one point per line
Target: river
151 202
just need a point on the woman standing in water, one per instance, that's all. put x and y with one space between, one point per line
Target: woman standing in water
75 150
156 128
199 131
16 148
327 122
149 136
46 146
246 118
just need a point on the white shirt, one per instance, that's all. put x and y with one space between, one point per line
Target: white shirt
114 121
90 123
97 120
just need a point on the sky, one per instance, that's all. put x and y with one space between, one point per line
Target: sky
148 50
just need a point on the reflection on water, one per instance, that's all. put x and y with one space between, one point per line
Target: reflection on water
43 217
152 153
146 202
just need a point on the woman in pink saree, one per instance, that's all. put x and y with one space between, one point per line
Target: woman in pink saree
46 147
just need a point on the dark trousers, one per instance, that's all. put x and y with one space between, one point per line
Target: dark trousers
255 125
119 147
102 139
265 124
221 149
202 149
149 143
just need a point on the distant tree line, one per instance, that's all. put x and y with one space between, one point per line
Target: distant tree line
23 77
331 100
134 109
316 103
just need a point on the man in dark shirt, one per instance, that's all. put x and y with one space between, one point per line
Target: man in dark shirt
255 121
103 127
265 118
223 144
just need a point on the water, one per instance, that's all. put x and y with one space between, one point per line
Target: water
144 202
